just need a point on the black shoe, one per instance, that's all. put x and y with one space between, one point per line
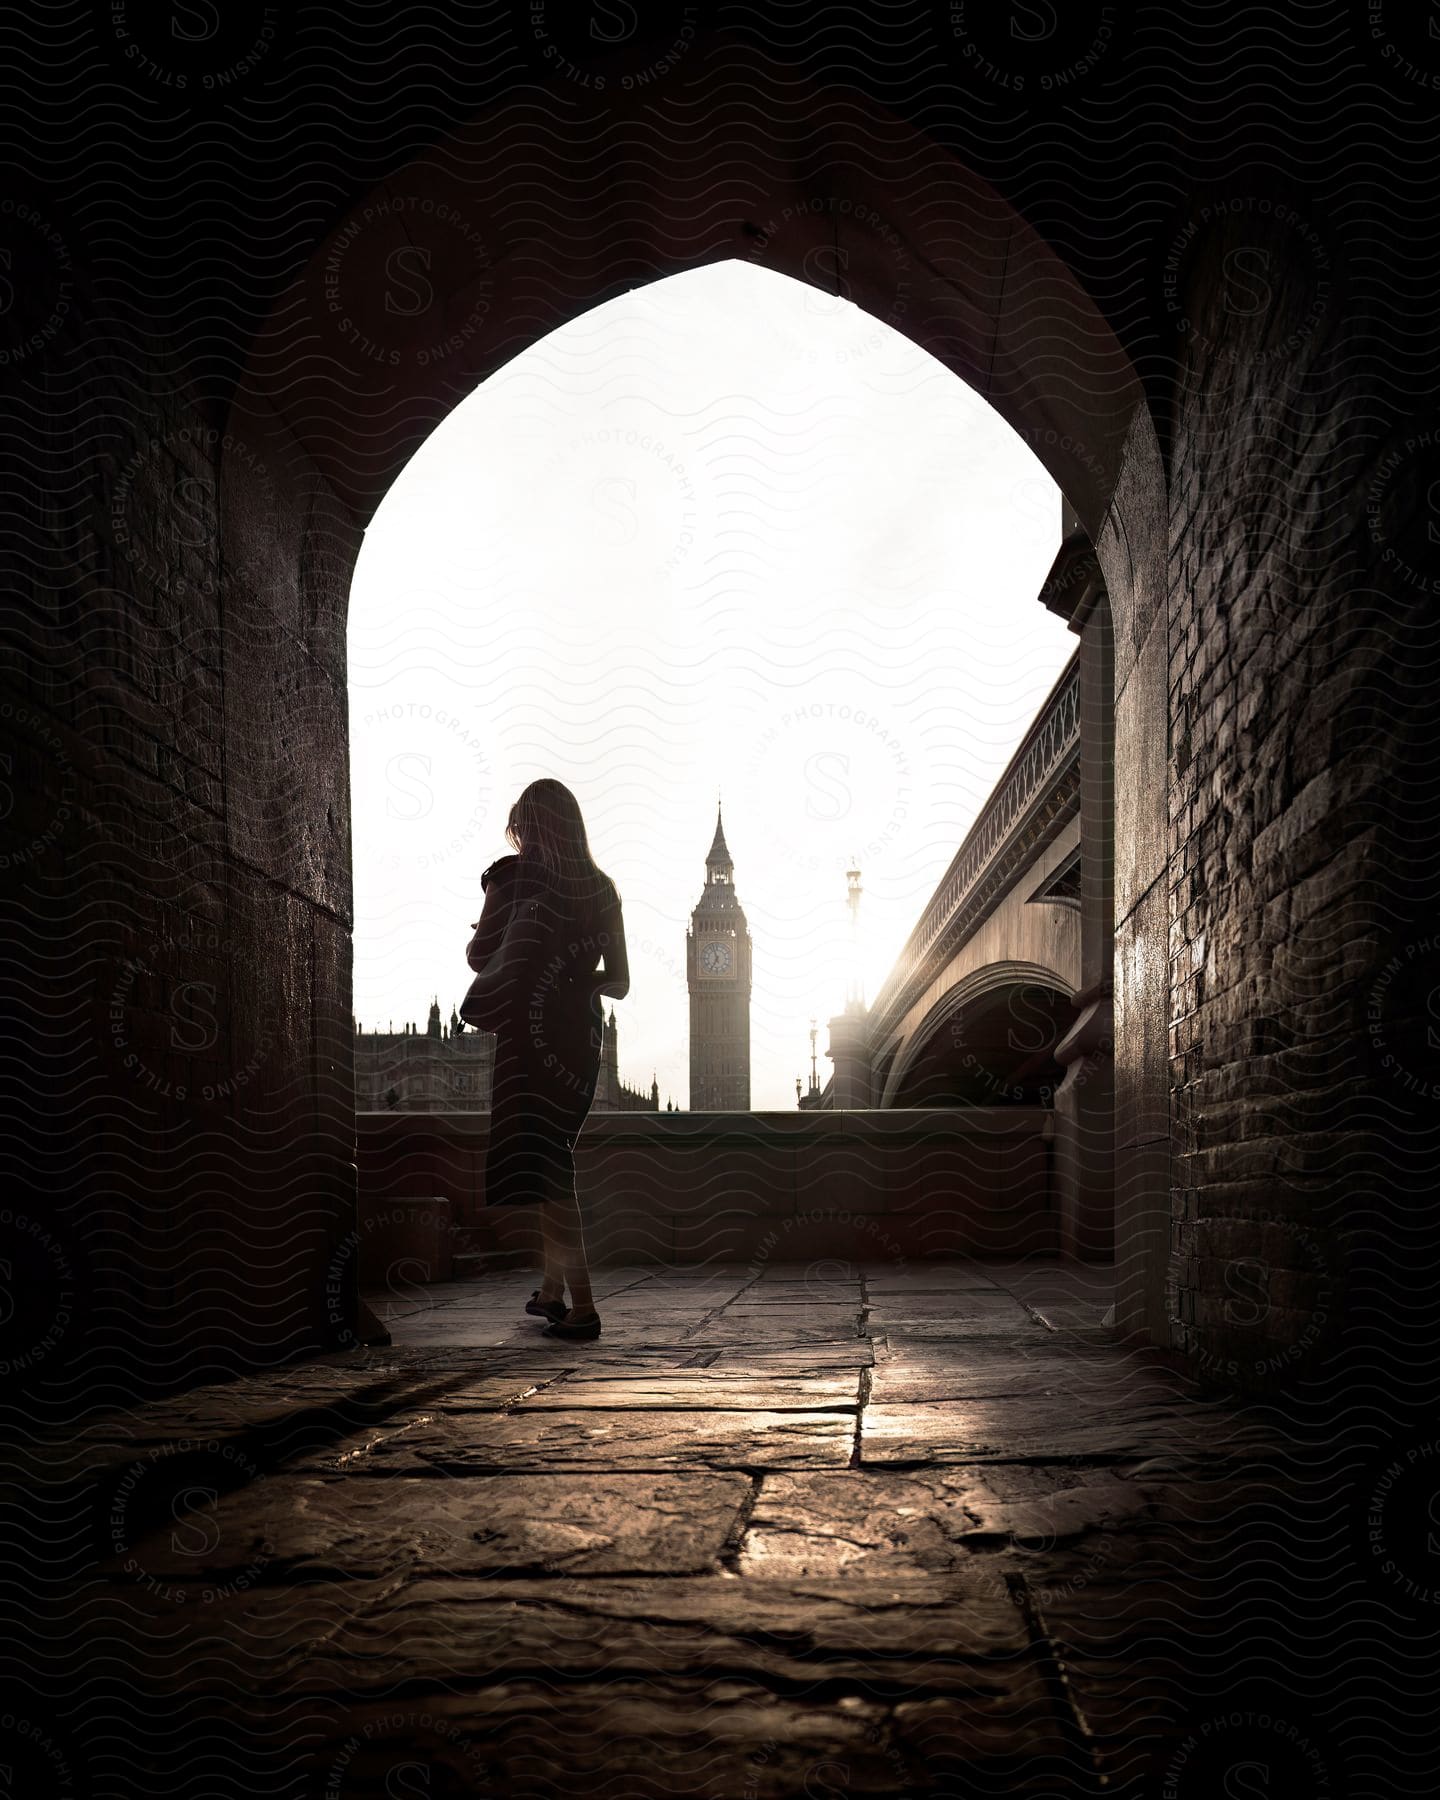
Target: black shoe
589 1328
546 1309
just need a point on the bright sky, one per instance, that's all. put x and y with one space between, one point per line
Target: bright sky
723 533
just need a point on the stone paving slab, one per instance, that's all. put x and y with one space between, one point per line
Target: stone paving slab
791 1329
1139 1646
964 1316
961 1304
824 1288
263 1421
960 1750
679 1275
371 1636
246 1405
632 1320
1052 1275
1000 1367
458 1329
761 1315
475 1443
723 1740
913 1334
1050 1429
755 1308
779 1273
1080 1320
629 1307
259 1422
543 1359
532 1353
769 1358
642 1302
697 1389
763 1326
942 1635
646 1301
159 1637
930 1278
727 1739
296 1527
933 1522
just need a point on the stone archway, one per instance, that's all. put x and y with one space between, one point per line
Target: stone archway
524 220
473 252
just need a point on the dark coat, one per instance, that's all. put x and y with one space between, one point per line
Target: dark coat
548 1047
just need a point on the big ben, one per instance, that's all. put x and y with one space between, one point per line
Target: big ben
717 962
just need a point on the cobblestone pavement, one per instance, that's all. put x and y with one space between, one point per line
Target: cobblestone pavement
813 1530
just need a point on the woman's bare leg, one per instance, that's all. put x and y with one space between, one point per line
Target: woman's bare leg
569 1238
552 1279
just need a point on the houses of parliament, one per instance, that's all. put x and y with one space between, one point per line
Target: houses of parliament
449 1068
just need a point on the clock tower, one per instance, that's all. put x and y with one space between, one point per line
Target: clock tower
717 962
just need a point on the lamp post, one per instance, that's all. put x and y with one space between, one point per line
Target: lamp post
855 994
812 1098
849 1047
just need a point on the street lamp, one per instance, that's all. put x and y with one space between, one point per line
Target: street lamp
855 995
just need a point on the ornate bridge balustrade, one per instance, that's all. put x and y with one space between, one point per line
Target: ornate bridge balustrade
1022 852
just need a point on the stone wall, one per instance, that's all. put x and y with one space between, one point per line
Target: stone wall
883 1188
178 961
1300 886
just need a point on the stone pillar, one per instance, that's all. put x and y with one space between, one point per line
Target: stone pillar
1132 551
850 1052
1085 1100
1085 1131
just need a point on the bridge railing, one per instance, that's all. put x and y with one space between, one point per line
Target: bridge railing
1034 797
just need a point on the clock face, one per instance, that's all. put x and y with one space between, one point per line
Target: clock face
715 958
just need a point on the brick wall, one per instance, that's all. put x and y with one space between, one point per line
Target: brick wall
1302 653
173 1196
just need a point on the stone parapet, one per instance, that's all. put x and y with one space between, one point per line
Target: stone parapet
869 1185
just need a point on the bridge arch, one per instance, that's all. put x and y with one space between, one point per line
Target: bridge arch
946 1033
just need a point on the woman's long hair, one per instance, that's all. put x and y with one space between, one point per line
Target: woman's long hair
546 827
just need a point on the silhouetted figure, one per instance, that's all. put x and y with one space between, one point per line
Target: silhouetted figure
548 1046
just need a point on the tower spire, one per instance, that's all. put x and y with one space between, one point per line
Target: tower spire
719 857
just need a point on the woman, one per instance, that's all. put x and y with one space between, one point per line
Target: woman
547 1051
